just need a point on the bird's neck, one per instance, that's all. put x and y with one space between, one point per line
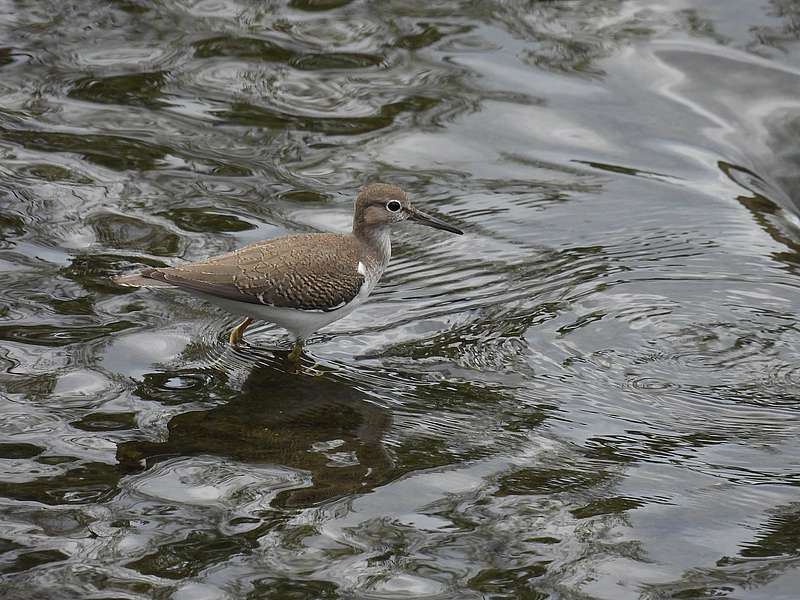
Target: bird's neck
377 239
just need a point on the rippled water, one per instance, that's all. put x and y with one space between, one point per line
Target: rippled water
591 394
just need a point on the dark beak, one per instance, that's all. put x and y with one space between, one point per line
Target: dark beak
425 219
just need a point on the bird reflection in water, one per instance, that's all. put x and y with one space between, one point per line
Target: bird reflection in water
290 419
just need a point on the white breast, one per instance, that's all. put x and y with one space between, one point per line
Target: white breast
302 323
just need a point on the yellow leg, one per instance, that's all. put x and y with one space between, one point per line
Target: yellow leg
297 350
238 332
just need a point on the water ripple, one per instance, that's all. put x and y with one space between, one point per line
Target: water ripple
559 403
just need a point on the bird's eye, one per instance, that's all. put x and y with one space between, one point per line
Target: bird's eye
393 206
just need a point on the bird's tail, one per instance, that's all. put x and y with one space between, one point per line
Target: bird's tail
140 279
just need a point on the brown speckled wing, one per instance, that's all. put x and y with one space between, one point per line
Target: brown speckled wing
317 271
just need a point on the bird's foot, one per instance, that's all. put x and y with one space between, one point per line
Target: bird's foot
237 333
297 351
301 364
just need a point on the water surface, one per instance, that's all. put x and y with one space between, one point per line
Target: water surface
591 394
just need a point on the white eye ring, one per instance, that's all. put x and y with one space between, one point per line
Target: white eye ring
393 206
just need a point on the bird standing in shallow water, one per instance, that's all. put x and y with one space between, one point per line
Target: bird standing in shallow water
300 282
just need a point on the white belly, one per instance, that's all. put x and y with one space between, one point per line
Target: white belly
300 323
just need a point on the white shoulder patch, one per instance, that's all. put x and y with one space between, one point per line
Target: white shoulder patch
362 269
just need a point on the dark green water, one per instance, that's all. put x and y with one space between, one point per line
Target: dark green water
593 394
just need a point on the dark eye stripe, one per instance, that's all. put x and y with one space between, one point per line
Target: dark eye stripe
393 206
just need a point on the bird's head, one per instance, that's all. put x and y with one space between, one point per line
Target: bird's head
381 204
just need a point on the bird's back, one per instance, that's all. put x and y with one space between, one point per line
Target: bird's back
315 271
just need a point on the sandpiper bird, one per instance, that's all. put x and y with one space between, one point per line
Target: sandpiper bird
300 282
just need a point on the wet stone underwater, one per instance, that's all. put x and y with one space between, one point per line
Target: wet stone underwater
592 394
